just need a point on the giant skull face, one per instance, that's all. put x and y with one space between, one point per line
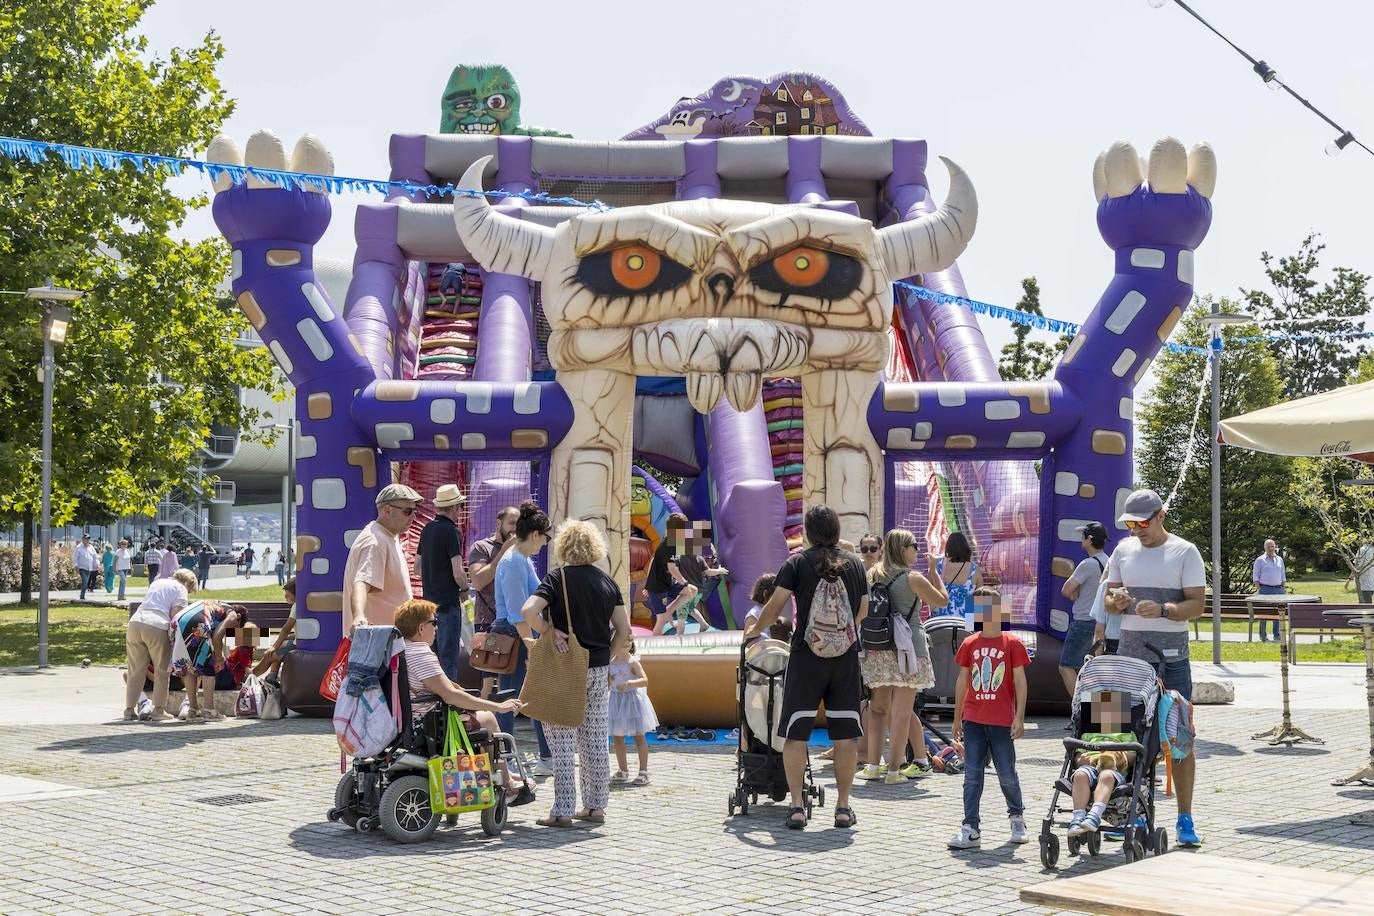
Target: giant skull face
723 292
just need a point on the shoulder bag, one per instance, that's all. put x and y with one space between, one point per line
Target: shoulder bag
555 690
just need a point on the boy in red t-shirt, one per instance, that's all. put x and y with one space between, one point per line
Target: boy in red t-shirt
989 712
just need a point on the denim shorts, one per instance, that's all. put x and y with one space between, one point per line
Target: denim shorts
658 601
1094 774
1178 675
1078 642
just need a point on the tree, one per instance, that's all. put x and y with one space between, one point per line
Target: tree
1030 360
1254 486
1346 513
1310 365
150 358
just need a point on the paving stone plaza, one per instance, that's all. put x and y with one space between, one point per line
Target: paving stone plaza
230 817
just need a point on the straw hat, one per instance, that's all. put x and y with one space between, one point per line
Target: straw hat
448 495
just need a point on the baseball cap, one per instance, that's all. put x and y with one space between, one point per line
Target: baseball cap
397 493
1093 530
1140 505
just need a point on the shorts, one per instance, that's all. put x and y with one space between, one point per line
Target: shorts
1178 675
1094 774
1078 642
658 601
811 681
285 649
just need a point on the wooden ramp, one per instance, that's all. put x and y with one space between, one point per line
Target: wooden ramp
1189 883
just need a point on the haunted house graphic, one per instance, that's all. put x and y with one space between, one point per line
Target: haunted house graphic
794 107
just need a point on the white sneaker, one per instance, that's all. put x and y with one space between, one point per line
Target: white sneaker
185 712
1019 833
870 771
966 838
542 768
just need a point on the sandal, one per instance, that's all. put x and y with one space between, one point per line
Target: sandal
619 776
642 779
591 815
792 822
552 821
523 796
849 818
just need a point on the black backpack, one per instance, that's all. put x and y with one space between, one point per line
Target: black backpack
876 630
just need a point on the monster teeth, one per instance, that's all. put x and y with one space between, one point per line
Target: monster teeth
704 390
742 389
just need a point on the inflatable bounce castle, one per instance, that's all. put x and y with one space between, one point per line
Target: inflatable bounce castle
725 313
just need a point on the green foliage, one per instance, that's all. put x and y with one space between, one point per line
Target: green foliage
1030 360
1364 372
61 569
1254 486
149 362
1311 366
1345 513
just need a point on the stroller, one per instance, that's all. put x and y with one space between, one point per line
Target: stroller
1131 808
391 789
943 636
758 757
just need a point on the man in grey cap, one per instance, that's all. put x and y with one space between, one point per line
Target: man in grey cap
376 579
1157 582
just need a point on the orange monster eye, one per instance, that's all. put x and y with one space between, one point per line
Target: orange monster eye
635 267
802 267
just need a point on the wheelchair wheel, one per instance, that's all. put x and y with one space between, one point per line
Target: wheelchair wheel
405 812
346 800
494 818
1049 850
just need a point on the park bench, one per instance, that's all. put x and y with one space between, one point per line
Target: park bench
1308 619
1233 607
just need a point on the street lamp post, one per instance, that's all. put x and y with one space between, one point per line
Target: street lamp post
56 317
1216 321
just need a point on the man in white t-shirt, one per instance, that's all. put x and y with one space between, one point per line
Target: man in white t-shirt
1157 582
86 560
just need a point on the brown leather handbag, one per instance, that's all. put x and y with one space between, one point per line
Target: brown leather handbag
494 653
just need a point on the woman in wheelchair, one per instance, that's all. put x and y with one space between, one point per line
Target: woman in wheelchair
417 622
1100 772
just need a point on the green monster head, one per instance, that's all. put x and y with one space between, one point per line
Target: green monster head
480 100
640 501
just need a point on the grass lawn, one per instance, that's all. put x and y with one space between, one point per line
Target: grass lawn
245 592
75 632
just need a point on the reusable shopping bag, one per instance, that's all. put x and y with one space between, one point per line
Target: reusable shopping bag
461 779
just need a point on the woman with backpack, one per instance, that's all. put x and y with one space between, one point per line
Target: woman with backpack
895 659
824 665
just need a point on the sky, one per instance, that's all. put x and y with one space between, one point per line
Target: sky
1022 95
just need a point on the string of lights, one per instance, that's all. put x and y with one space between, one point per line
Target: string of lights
1271 79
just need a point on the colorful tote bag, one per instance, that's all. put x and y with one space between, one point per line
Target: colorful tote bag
460 780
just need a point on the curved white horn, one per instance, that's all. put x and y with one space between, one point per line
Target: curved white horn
500 243
932 242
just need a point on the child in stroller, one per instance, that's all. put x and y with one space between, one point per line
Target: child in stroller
759 766
391 788
1111 759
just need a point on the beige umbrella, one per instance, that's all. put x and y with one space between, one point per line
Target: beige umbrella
1333 423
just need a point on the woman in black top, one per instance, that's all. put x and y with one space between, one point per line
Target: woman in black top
812 680
601 622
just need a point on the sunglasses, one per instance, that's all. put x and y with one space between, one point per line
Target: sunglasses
406 511
1135 526
868 550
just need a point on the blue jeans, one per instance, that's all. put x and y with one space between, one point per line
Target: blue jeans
122 575
514 681
980 741
448 633
1270 590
